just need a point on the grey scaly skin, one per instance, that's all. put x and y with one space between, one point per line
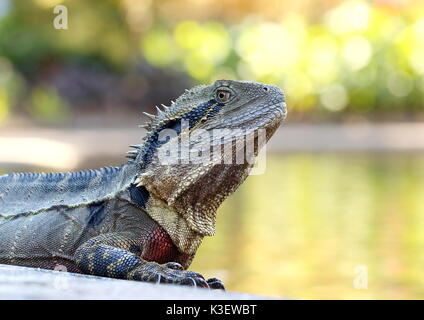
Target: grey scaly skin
143 220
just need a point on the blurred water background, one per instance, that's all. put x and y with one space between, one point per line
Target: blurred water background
317 215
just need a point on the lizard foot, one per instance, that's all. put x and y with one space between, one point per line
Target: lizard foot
215 283
167 273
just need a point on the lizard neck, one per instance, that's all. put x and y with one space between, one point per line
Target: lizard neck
192 192
183 236
175 224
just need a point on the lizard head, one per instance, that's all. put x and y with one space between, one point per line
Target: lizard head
196 153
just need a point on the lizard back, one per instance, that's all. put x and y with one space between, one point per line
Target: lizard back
24 193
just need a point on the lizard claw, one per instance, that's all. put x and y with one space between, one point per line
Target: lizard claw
174 265
215 284
194 282
168 273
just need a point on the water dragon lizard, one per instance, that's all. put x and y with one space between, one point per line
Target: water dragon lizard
143 220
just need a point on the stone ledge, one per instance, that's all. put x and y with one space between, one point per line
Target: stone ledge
30 283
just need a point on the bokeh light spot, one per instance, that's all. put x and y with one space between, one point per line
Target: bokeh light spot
357 52
158 47
334 97
348 17
399 85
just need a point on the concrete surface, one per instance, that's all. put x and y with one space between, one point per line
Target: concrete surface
30 283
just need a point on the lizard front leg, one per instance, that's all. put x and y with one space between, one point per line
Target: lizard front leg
115 255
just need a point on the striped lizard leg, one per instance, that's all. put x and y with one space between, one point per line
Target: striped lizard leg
115 255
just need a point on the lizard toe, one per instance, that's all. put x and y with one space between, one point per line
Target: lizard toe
194 282
193 274
215 283
174 265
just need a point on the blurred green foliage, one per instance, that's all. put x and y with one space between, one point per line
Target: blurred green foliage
47 105
338 57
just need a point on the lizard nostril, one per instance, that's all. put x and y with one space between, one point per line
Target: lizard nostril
266 89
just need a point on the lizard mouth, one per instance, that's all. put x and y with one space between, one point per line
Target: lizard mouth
258 116
261 112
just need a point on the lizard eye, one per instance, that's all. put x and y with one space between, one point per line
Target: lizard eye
223 95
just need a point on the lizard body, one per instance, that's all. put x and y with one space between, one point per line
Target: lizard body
145 219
